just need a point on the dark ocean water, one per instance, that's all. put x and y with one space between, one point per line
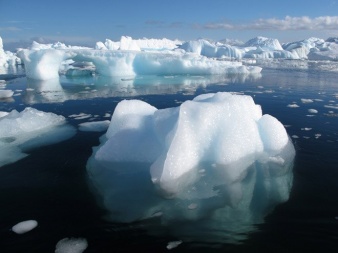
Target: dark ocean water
51 185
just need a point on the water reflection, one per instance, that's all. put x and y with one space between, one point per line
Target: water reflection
63 88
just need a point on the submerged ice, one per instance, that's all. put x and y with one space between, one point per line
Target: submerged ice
210 158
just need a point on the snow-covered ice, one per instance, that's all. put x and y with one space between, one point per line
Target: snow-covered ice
22 131
205 157
71 245
24 226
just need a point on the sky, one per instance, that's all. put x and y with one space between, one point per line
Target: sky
86 22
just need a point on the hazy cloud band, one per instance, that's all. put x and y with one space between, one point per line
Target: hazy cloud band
288 23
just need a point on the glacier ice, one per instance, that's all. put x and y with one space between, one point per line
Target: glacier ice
22 131
210 159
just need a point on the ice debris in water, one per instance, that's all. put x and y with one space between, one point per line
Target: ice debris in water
24 226
96 126
173 244
293 105
71 245
22 131
216 160
313 111
6 93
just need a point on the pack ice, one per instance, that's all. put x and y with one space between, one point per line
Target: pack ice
214 157
30 128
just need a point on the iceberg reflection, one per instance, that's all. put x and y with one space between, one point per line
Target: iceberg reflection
62 89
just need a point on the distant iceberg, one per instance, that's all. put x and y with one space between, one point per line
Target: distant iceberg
215 157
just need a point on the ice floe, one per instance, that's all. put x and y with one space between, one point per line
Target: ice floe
22 131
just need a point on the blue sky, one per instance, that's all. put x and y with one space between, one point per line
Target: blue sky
85 22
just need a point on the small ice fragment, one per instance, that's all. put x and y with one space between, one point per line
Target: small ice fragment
295 136
107 115
29 89
260 87
306 129
71 245
317 136
157 214
305 101
192 206
80 116
2 81
24 226
312 111
6 93
292 105
306 137
173 244
96 126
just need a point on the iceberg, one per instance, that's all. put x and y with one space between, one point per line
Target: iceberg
31 128
210 159
7 58
44 62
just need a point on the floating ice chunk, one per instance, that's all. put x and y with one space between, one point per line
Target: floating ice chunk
25 226
293 105
318 135
295 136
97 126
71 245
6 93
173 244
20 132
313 111
80 116
306 129
331 106
305 100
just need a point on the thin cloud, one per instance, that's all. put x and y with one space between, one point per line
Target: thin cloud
10 29
288 23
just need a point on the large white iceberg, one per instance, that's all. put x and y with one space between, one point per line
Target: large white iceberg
31 128
214 159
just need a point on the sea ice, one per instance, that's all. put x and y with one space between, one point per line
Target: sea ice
213 159
71 245
6 93
45 62
22 131
313 111
24 226
97 126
